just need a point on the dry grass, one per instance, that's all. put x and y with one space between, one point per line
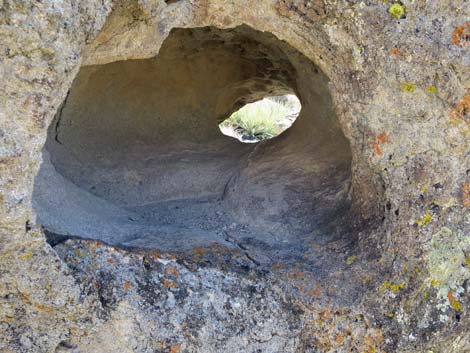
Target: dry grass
260 120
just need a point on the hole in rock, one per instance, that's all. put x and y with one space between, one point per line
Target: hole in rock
135 157
263 119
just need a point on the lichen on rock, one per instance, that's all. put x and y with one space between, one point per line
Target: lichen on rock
128 223
397 10
449 263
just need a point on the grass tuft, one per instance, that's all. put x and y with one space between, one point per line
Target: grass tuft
260 120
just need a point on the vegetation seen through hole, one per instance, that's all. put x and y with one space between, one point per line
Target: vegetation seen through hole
263 119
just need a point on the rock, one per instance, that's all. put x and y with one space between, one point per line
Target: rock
138 188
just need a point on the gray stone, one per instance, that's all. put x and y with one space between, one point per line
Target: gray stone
118 192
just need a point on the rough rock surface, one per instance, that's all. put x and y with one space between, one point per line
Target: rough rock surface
385 88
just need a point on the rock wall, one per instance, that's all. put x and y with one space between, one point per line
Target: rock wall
398 76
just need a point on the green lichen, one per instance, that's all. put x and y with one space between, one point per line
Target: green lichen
393 286
351 259
455 304
431 89
397 11
408 87
425 220
447 262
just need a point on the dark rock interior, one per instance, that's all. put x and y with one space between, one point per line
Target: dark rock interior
135 157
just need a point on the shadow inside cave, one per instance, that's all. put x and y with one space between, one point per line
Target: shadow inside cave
135 158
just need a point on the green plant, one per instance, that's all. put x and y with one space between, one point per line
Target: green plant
259 120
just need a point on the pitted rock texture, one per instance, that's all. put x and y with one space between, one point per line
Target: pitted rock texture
386 271
151 302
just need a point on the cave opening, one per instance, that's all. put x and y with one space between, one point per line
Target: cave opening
263 119
135 157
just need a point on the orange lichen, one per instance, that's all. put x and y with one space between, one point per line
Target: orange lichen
462 109
155 255
110 260
454 303
339 338
316 292
169 284
7 319
127 285
42 307
466 194
176 349
395 51
172 271
25 298
461 35
296 274
377 149
338 329
299 286
199 251
382 138
379 140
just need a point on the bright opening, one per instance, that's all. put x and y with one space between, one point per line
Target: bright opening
263 119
